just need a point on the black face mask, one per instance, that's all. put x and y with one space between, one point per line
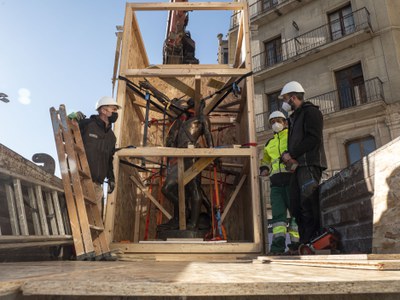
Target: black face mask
113 118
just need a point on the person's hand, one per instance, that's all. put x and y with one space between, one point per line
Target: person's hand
77 116
111 186
285 157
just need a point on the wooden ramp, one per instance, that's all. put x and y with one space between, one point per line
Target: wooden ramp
184 280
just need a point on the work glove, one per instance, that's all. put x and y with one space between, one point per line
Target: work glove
78 116
111 186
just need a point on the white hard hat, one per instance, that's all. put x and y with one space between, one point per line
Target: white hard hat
106 101
291 87
276 114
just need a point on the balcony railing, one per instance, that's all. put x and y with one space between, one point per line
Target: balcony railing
262 6
369 91
351 23
257 8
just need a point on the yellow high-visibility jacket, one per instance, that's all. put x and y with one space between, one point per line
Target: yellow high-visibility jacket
272 153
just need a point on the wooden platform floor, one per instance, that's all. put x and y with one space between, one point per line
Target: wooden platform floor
186 279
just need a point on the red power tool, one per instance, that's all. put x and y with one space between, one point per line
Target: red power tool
329 239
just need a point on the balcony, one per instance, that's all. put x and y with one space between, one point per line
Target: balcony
259 9
338 100
293 49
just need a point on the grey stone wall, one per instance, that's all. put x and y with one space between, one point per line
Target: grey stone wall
363 202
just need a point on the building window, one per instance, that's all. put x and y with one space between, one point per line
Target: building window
357 149
273 51
341 22
268 4
351 86
274 103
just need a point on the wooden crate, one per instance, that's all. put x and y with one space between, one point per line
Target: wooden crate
128 206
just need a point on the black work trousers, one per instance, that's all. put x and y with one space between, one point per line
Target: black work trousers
304 201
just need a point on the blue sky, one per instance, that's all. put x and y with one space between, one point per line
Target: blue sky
62 52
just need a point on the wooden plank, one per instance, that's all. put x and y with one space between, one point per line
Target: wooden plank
69 196
381 265
57 210
41 209
128 33
184 72
35 211
196 168
99 239
19 201
184 152
117 56
249 89
12 210
30 180
187 6
34 244
51 215
197 94
150 196
233 197
188 248
33 238
239 43
181 194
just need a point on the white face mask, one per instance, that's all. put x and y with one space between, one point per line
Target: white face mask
286 107
277 127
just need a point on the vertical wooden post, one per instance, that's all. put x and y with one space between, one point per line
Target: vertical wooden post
35 213
19 201
57 211
12 210
42 211
50 209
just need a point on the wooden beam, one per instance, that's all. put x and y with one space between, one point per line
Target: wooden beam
179 85
181 194
239 43
197 94
187 6
183 152
196 168
150 196
184 72
12 210
19 201
233 197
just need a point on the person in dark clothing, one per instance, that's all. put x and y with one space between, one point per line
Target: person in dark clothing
99 142
306 151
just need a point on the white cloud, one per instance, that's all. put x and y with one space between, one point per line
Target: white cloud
24 96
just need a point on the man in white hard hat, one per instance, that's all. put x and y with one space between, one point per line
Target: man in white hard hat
279 175
306 148
99 141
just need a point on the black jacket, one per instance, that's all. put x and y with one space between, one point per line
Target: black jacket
306 142
99 143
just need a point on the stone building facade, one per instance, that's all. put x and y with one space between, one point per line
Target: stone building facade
346 54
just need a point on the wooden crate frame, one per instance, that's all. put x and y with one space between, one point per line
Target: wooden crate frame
134 64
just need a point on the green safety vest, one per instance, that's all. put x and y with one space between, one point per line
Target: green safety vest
273 150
